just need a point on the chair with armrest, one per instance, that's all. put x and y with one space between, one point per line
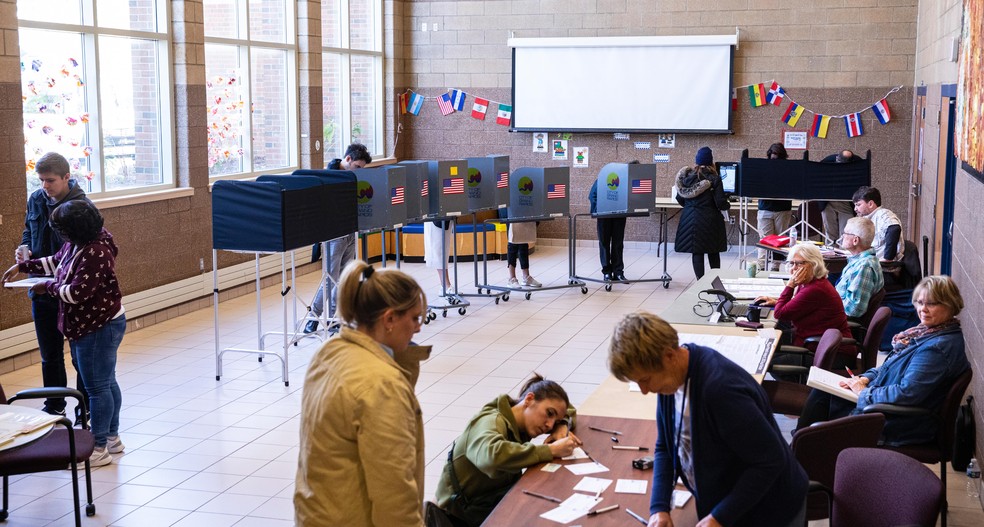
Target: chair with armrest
906 273
828 344
859 325
790 397
816 448
879 488
940 450
872 338
64 447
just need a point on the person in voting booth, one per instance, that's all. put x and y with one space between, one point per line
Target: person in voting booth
924 362
340 250
862 276
888 242
715 431
437 250
489 456
361 459
520 236
701 230
836 213
611 238
90 312
774 215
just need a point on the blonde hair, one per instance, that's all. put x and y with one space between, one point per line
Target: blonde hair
942 289
639 343
364 294
810 253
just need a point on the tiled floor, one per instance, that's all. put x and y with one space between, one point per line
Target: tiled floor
209 453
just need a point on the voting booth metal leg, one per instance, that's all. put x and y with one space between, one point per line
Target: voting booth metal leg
572 241
485 258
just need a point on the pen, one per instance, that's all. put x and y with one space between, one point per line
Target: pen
542 496
636 516
625 447
849 372
605 509
616 432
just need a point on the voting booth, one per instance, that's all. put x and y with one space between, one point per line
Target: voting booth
539 192
446 186
381 197
801 178
417 190
626 188
487 185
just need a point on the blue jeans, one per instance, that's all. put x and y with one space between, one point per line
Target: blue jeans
340 252
95 354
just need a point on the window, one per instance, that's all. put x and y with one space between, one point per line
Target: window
96 92
250 65
352 69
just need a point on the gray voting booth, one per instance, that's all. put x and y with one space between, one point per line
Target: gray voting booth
487 185
626 189
417 196
540 192
446 186
381 197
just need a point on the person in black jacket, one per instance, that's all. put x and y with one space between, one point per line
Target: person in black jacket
701 229
57 187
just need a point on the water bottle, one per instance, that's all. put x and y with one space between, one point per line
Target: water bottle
793 234
973 479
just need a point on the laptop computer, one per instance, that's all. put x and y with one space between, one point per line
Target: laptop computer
727 304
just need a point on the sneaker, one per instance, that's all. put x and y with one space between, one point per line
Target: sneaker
100 457
311 326
531 282
48 410
114 445
513 282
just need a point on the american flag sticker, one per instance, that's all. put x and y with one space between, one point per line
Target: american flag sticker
642 186
454 185
502 180
424 189
396 195
556 190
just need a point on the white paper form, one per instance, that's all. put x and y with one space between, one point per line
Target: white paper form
748 352
583 469
592 485
572 508
680 498
631 486
577 454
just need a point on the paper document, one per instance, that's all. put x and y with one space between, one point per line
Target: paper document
750 288
828 381
13 424
680 498
583 469
572 508
751 352
592 485
631 486
28 282
577 454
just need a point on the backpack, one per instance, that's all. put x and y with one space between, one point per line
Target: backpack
963 436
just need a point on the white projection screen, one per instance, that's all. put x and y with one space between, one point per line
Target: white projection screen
623 84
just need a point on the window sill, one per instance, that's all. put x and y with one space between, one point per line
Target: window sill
148 197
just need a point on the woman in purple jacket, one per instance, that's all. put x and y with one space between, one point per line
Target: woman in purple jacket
90 312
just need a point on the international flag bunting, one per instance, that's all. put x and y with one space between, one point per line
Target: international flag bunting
415 103
502 180
820 125
505 115
756 95
424 188
853 123
481 106
793 113
458 100
642 186
775 95
734 100
454 185
556 190
396 195
882 112
403 103
444 103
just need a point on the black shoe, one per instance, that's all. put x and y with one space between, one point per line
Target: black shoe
621 278
51 411
311 326
608 277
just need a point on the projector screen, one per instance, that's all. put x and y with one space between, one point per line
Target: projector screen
623 84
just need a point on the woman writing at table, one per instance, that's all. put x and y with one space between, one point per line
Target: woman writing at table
490 455
924 362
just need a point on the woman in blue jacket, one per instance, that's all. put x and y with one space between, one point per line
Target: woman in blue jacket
924 363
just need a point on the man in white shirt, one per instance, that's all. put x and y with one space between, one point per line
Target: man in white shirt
888 242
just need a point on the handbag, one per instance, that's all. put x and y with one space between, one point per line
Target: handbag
963 436
774 240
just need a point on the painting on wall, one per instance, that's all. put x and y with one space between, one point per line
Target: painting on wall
970 90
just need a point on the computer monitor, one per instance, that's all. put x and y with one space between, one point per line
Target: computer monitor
729 175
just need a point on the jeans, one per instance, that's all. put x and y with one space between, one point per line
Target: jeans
520 251
51 344
611 233
340 252
95 354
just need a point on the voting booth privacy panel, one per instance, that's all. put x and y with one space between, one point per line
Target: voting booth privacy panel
446 188
539 192
487 185
801 178
626 188
279 213
417 190
381 197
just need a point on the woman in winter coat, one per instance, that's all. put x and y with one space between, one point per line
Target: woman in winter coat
701 229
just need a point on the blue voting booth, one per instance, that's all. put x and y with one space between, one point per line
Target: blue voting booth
446 186
381 197
539 192
626 188
487 185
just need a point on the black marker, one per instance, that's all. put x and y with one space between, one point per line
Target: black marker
542 496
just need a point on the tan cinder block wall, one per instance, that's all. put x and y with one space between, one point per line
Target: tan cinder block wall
831 56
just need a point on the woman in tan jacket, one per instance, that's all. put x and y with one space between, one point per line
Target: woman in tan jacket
361 460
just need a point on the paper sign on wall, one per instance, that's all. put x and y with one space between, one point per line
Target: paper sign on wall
581 157
560 149
540 142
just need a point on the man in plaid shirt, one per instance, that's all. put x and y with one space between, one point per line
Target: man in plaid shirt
862 277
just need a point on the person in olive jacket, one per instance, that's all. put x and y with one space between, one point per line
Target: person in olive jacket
701 231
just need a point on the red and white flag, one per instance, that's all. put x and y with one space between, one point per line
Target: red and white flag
424 190
481 106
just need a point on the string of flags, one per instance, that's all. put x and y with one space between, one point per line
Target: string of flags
454 101
775 95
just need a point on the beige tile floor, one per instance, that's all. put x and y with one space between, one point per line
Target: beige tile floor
209 453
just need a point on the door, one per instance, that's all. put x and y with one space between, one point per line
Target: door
916 176
943 239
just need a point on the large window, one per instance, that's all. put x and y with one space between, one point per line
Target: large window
94 78
250 67
352 75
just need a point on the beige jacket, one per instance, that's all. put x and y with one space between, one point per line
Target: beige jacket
361 460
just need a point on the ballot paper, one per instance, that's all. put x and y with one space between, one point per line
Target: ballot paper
634 387
583 469
551 467
572 508
577 454
592 485
631 486
680 498
27 282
